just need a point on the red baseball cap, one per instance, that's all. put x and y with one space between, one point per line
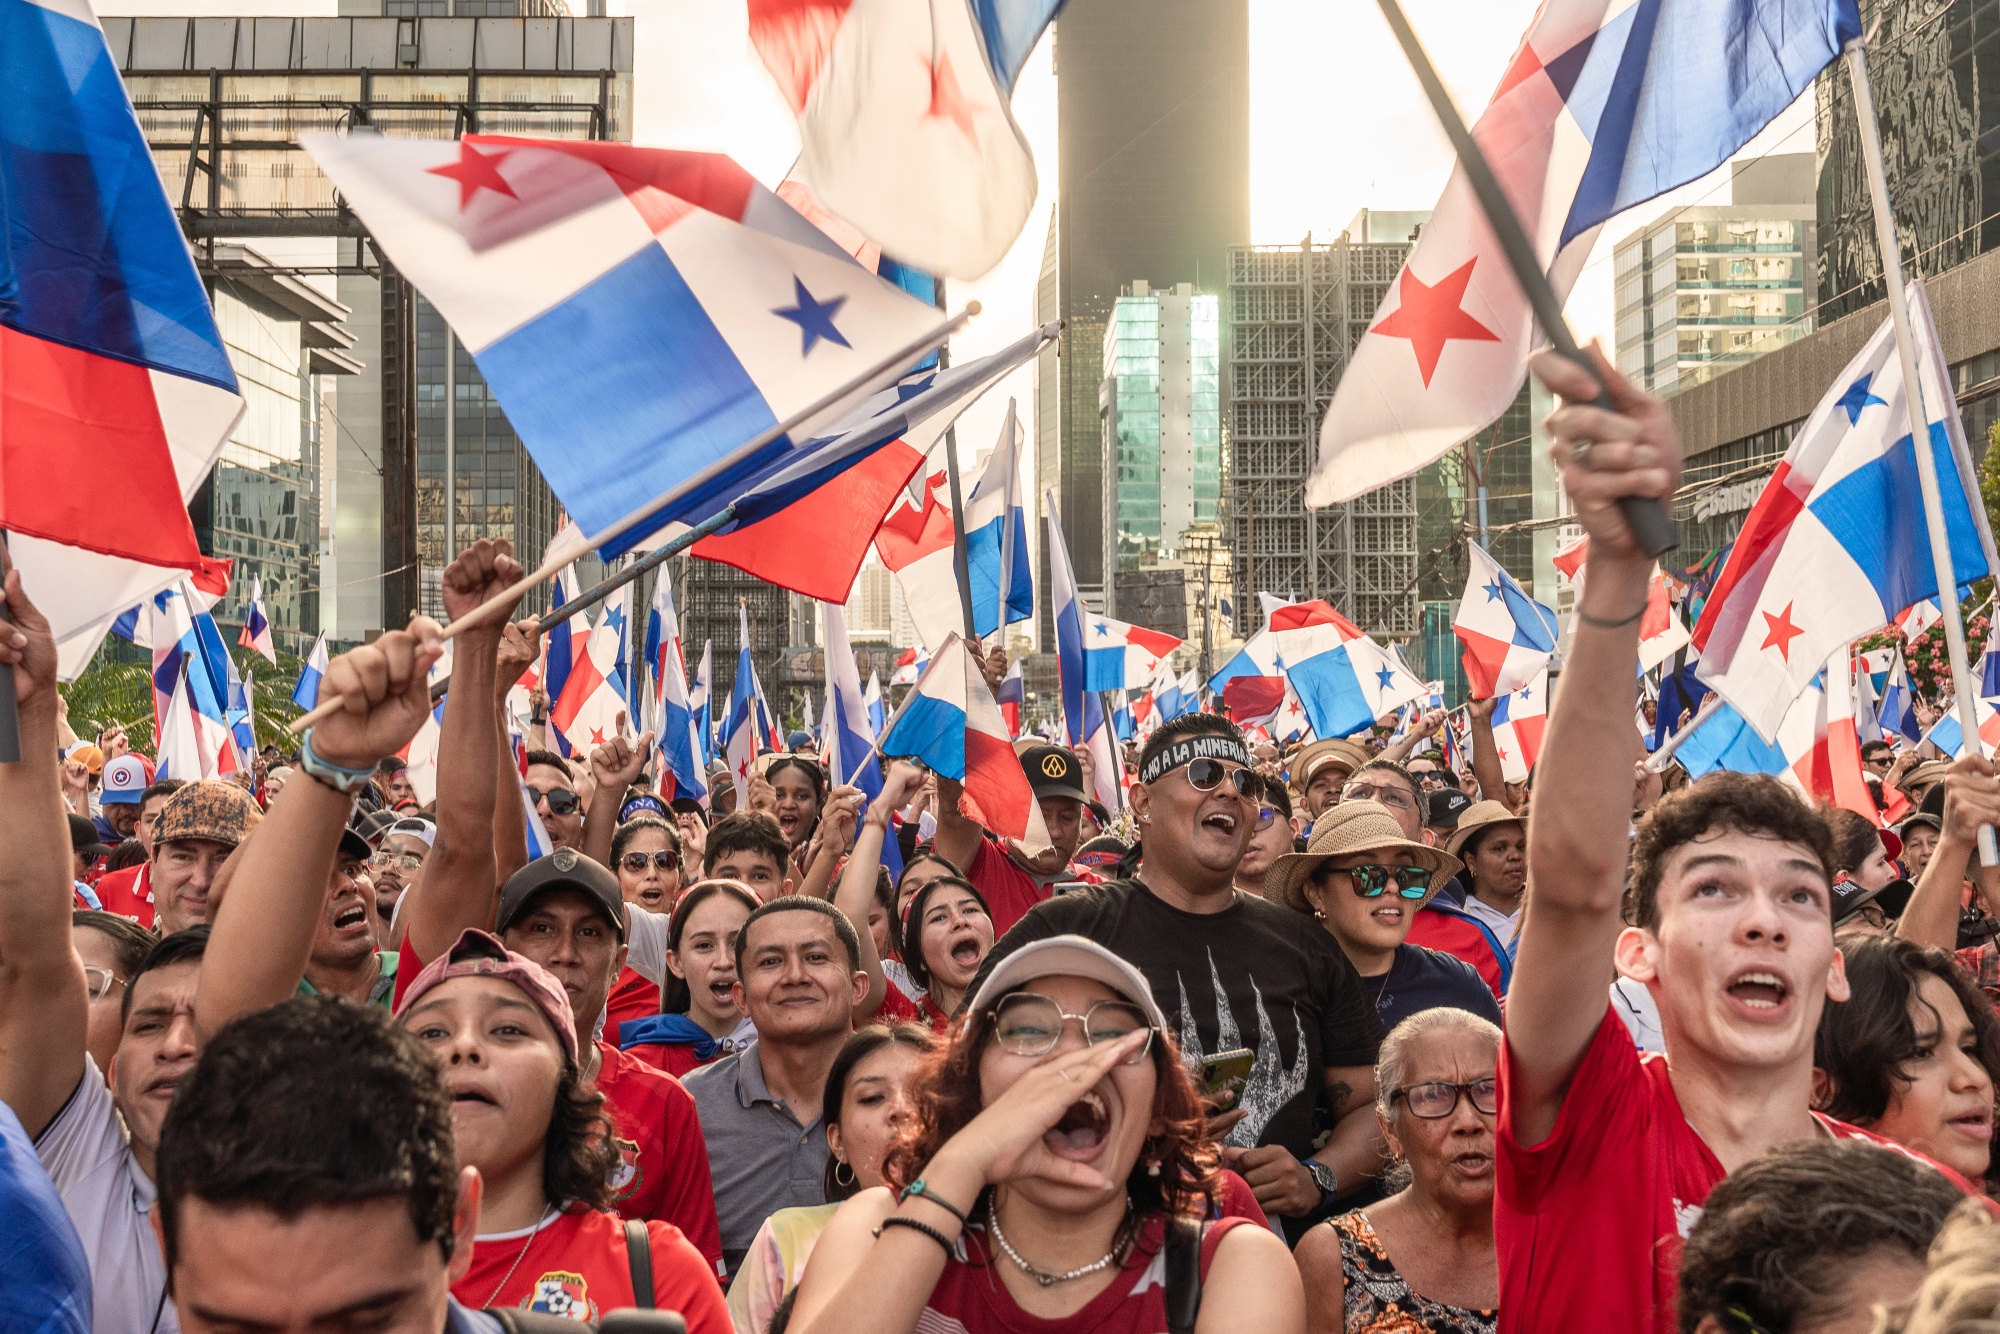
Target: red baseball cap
479 953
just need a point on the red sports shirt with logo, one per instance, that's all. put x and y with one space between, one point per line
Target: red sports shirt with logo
575 1267
663 1161
1589 1223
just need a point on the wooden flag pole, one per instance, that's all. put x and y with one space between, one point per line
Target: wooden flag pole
1648 519
1920 433
748 449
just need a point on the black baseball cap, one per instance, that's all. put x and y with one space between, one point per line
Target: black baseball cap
1443 806
1850 898
355 843
83 837
1053 772
565 868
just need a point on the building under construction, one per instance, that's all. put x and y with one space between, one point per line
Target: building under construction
1294 314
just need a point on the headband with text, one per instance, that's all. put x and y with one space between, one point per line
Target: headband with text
1200 746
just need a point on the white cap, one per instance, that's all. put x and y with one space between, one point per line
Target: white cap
1069 956
124 780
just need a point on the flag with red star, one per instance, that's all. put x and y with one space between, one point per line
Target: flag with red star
593 699
906 125
1605 105
1837 545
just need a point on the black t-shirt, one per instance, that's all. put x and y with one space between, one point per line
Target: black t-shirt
1424 979
1292 996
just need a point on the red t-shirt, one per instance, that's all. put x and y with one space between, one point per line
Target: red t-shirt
675 1058
129 893
632 997
969 1297
576 1267
898 1008
664 1169
1010 891
1589 1223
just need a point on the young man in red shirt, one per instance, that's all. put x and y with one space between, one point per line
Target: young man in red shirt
1605 1158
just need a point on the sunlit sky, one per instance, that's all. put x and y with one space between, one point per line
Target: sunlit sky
1337 124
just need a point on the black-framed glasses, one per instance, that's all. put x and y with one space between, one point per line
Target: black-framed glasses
1437 1100
99 981
1370 881
636 862
1206 775
561 800
1025 1024
1393 797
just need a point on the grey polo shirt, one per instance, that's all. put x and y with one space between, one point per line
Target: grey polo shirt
761 1156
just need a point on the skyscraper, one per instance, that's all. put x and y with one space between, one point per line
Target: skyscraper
1153 123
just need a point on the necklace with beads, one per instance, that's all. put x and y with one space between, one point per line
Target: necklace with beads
1041 1276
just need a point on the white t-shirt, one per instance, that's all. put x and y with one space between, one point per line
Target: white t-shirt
1503 923
89 1157
646 938
1633 1003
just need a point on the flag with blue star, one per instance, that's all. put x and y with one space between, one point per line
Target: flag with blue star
1343 678
1508 636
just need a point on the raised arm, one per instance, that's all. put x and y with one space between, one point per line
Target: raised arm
264 924
1485 754
519 644
1578 840
1971 798
613 767
1425 728
460 876
43 1004
958 838
856 892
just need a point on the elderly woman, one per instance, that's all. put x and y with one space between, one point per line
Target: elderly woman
1365 883
1055 1177
1423 1259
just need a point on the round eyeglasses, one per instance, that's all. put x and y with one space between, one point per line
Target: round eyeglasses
1025 1024
1435 1101
1206 775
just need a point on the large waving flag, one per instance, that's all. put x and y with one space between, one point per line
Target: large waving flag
1258 656
905 123
952 724
1344 679
996 536
1816 749
678 724
640 313
1508 636
806 524
915 543
1120 656
115 391
256 633
564 644
586 712
1606 104
1836 544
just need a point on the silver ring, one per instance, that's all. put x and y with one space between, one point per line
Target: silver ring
1579 451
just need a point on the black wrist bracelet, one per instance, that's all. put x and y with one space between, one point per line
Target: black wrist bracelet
897 1220
920 1190
1603 624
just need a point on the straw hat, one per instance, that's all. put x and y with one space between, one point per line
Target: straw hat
1481 815
1348 755
1352 826
1930 771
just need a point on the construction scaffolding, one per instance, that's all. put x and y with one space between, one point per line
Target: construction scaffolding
1294 316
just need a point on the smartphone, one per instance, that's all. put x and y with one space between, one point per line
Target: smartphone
1224 1074
1068 886
634 1321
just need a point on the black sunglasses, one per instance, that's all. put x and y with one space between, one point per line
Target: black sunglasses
1207 775
1370 881
561 800
635 862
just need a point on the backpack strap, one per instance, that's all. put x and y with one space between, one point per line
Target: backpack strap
639 1255
533 1322
1183 1252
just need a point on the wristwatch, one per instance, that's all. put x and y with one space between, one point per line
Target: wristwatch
341 779
1323 1177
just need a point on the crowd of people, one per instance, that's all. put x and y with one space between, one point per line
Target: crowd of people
1323 1037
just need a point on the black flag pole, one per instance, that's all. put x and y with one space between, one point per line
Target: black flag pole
1650 525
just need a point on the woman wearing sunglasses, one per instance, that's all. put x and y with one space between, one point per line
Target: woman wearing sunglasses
1364 882
1057 1149
1423 1259
646 855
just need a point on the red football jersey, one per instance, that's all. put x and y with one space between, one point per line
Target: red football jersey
575 1267
663 1172
632 997
129 893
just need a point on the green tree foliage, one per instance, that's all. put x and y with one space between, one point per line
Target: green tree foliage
117 688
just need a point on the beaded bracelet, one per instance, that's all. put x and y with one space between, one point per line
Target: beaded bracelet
897 1220
919 1189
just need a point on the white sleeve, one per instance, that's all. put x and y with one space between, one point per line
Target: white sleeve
85 1138
646 942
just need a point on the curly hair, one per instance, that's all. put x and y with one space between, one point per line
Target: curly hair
1961 1295
1739 803
947 1097
578 1156
1866 1045
1778 1235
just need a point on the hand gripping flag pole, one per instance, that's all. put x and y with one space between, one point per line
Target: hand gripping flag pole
748 449
1920 433
1651 527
